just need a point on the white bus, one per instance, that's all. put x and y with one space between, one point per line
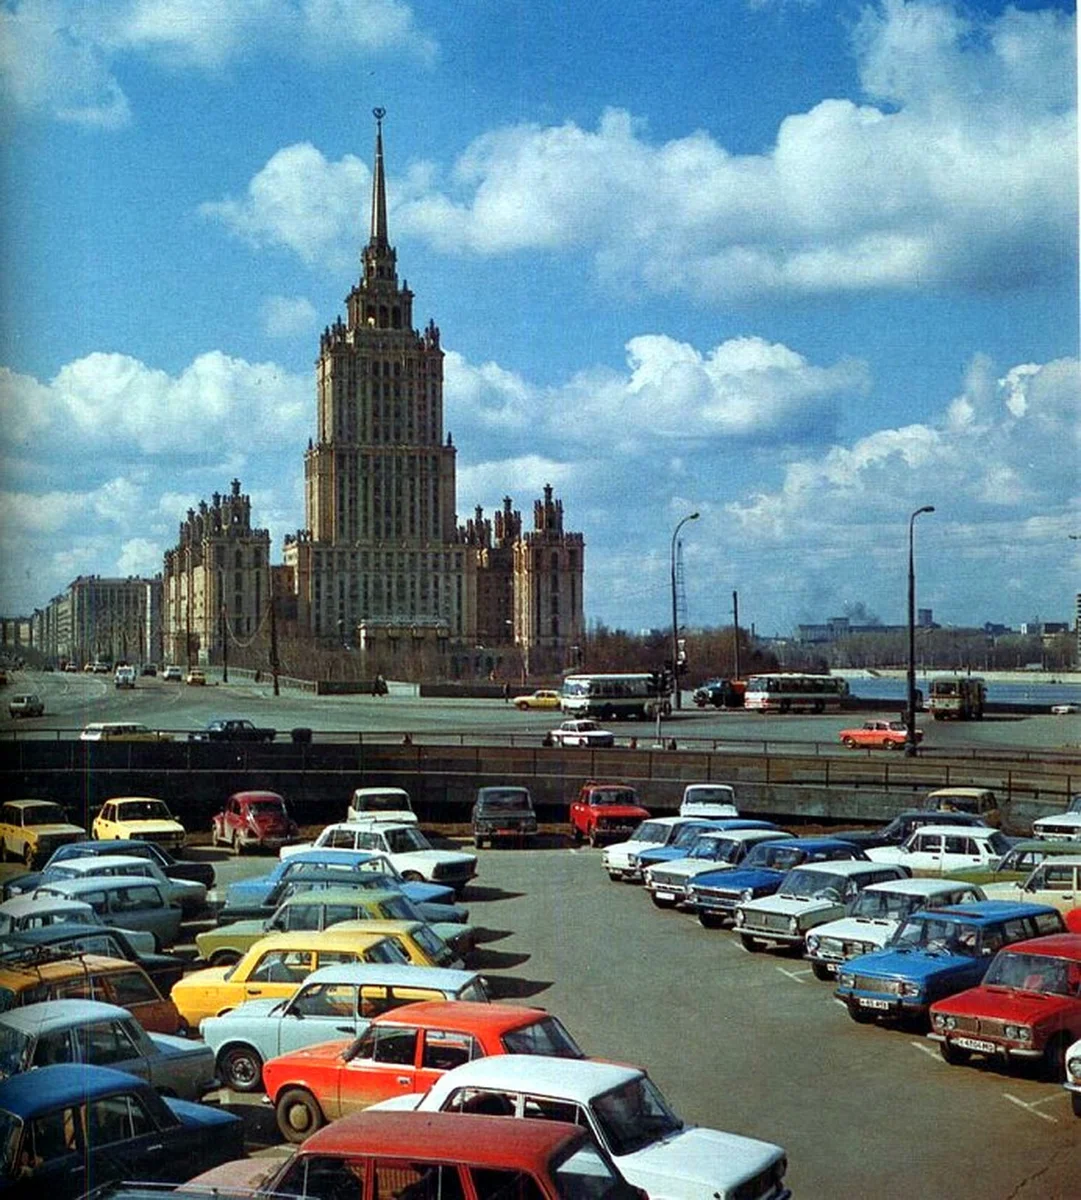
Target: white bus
608 697
790 692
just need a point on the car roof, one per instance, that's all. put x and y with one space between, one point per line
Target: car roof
1054 945
64 931
925 886
1067 860
814 843
18 905
318 854
125 799
381 791
46 1015
1048 846
337 895
570 1078
747 835
463 1015
94 883
328 939
986 910
65 968
393 975
31 800
250 796
665 820
953 831
843 866
960 791
89 864
456 1137
30 1093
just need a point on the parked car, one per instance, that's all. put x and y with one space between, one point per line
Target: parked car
26 704
232 729
446 1156
70 939
381 804
1062 710
172 674
273 967
189 895
716 800
417 941
121 731
715 895
261 895
253 820
620 859
28 977
1073 1076
876 734
124 677
714 850
149 669
71 1127
981 801
580 731
126 902
142 817
655 1149
103 1035
904 825
1064 826
334 1001
502 814
414 856
195 677
22 914
689 832
1026 1010
1056 881
935 849
1018 863
605 812
402 1051
809 895
31 830
174 868
545 698
875 917
936 953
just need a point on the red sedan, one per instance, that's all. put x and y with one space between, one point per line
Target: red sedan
880 735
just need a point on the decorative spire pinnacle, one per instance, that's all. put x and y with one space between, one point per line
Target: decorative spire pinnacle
379 185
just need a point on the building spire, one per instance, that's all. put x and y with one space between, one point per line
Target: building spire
379 185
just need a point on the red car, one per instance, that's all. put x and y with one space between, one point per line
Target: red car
881 735
1027 1009
402 1051
606 812
257 820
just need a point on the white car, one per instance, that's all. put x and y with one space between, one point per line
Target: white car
620 859
190 895
1063 710
124 677
1056 881
173 673
626 1112
708 800
714 850
404 846
876 916
808 896
1062 827
936 849
381 804
581 732
1073 1076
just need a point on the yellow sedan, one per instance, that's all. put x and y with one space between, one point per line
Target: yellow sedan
143 818
273 968
541 699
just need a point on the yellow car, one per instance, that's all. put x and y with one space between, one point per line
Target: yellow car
33 829
197 677
541 699
422 946
139 817
273 968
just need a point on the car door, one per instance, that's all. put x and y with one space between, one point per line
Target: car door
384 1065
926 854
319 1012
114 1044
126 1139
53 1150
959 851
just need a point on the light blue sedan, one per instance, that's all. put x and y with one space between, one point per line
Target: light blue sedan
334 1002
104 1035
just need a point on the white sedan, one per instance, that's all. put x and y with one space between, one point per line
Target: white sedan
582 733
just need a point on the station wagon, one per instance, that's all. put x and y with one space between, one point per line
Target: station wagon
30 830
128 903
1057 882
935 849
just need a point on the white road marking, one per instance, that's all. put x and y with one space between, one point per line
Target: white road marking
928 1050
1031 1108
798 976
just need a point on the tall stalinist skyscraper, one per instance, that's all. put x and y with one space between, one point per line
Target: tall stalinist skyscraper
381 558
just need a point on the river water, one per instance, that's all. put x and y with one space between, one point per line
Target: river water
1014 692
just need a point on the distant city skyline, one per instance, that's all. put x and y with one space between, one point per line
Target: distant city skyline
802 268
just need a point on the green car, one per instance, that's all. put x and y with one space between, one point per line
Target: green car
1017 863
318 908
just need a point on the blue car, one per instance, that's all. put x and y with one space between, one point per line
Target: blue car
67 1128
680 845
937 952
254 893
714 895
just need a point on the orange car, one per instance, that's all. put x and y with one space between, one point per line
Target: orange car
404 1050
880 735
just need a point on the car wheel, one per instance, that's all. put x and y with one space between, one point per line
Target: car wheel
710 920
751 944
952 1054
576 834
478 841
1075 1100
3 851
1054 1059
298 1114
821 971
594 839
223 958
849 742
234 844
241 1068
412 877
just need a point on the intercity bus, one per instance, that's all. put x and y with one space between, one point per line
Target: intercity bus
608 697
791 692
962 697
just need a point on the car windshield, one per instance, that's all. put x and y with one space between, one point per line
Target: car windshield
714 849
385 802
262 807
686 835
651 831
398 908
432 945
16 1048
937 935
44 814
505 801
1035 973
402 841
874 905
778 857
999 843
584 1175
613 796
634 1115
386 951
810 884
546 1036
143 810
709 795
475 991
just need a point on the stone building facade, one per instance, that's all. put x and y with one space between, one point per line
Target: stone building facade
216 581
97 618
382 562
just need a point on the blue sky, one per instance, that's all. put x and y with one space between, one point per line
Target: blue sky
800 266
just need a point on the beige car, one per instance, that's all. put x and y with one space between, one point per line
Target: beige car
981 802
1056 881
30 830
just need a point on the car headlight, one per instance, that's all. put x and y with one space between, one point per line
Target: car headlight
793 924
1073 1067
747 895
846 980
1018 1033
944 1022
740 916
632 860
812 942
910 989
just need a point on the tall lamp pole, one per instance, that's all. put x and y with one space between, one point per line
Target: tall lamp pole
910 714
675 630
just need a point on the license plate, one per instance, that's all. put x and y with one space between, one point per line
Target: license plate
975 1044
870 1002
664 895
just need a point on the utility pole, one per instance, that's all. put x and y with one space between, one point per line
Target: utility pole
735 634
224 646
273 637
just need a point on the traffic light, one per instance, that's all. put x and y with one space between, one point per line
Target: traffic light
667 681
655 683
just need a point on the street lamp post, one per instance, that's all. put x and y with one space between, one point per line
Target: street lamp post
910 713
675 629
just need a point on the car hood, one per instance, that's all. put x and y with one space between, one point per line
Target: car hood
170 1046
233 928
191 1114
739 879
321 1052
694 866
249 1010
790 906
60 829
446 857
201 978
140 829
886 854
860 929
916 965
1007 1004
697 1164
